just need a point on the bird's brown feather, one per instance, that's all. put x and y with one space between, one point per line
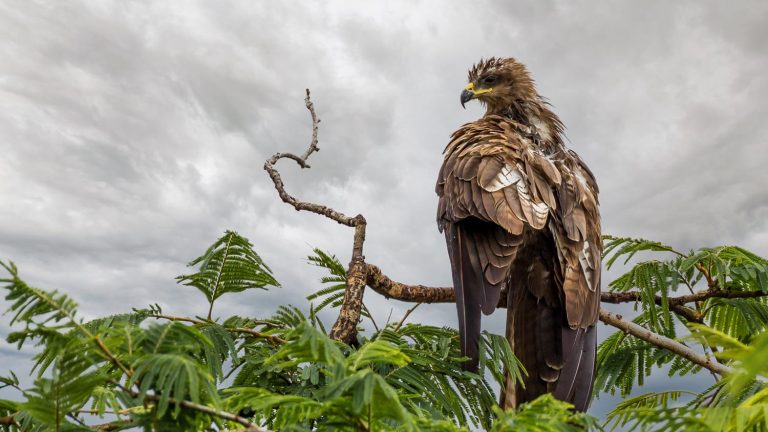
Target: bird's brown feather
520 212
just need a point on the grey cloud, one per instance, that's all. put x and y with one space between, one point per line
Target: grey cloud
134 133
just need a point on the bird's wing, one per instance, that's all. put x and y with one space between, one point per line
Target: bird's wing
575 227
492 173
491 186
495 186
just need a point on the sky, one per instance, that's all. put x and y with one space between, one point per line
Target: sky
133 134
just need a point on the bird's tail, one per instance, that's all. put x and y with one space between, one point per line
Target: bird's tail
468 286
558 359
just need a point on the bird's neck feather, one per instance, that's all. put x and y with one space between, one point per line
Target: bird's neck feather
533 112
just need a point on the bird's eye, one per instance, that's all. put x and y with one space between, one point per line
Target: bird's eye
489 80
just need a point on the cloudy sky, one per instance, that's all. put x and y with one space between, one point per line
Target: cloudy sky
132 134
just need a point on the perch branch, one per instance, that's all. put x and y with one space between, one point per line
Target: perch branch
385 286
690 314
345 327
418 293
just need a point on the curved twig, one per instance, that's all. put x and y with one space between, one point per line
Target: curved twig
345 328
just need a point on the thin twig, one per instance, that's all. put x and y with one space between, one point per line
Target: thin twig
250 427
269 166
345 327
274 339
115 425
370 316
664 342
408 312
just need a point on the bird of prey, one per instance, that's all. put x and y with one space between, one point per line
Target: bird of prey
520 215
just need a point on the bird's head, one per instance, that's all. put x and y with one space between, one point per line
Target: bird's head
499 83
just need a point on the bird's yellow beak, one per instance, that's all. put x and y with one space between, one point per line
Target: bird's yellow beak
470 93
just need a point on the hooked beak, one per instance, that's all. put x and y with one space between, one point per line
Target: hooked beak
470 93
466 96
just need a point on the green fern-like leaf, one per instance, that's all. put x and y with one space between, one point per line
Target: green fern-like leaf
544 414
626 247
72 382
229 265
35 308
174 376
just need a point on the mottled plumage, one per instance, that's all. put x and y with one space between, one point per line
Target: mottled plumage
520 212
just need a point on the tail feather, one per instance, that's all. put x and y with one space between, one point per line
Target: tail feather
533 331
481 254
558 359
465 284
573 342
586 374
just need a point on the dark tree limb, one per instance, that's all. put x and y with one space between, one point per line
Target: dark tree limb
690 314
385 286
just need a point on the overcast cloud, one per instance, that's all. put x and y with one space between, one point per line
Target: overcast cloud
132 134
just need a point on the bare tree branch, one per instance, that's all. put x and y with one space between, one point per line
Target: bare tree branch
664 342
250 427
251 332
690 314
269 166
385 286
345 328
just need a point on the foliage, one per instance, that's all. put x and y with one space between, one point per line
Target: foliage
149 370
229 265
729 324
543 415
333 294
154 371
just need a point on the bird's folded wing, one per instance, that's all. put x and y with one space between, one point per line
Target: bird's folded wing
494 172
